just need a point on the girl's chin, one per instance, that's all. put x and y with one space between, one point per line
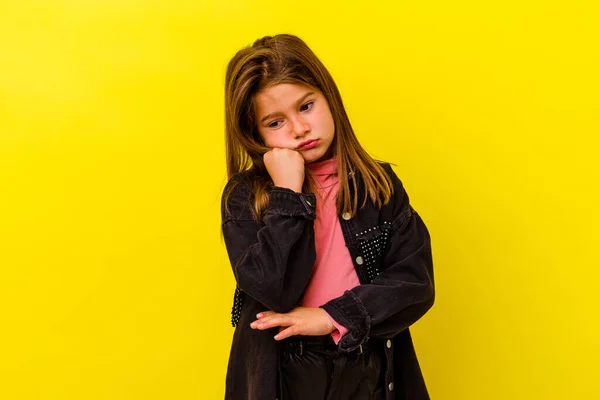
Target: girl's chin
315 157
311 158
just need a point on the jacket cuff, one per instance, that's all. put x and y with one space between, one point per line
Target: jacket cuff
349 311
285 201
339 331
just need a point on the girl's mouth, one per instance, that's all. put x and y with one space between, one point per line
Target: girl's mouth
309 144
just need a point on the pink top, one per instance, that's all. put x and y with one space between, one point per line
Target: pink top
333 271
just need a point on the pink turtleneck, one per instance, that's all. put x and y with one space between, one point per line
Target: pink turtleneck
333 271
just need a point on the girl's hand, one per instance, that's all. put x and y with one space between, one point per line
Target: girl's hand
286 168
300 321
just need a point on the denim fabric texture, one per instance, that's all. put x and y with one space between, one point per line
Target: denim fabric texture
272 263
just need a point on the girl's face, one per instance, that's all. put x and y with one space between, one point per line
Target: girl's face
297 117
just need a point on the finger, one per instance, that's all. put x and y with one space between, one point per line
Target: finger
277 320
266 318
264 314
260 323
290 331
263 317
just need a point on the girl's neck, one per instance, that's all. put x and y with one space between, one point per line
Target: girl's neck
324 167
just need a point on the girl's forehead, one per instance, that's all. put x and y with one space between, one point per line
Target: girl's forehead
282 91
281 96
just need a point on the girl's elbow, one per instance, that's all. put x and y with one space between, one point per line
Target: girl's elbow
428 296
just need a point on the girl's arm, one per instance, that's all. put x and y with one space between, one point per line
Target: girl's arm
272 262
403 291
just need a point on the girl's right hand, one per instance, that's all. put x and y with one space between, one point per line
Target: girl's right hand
286 168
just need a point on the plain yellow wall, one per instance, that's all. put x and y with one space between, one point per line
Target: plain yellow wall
114 281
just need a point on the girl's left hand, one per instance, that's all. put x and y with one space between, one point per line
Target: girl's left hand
300 321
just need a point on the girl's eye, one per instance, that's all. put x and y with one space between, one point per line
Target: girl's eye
304 107
307 106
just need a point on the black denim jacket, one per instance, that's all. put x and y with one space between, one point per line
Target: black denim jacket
272 261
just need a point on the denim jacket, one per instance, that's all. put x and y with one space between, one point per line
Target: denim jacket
272 262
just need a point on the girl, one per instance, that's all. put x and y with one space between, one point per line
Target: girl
332 263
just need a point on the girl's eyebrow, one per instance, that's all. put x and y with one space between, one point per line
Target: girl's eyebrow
300 100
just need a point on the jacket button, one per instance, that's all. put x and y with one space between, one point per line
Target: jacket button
346 216
388 344
391 386
359 260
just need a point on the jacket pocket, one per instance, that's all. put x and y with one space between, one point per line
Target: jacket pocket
373 243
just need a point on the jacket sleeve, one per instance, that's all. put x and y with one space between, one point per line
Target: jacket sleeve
403 291
272 261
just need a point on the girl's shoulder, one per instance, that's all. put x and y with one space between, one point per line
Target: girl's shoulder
399 204
387 167
398 192
396 182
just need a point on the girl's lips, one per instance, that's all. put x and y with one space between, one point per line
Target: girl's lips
309 145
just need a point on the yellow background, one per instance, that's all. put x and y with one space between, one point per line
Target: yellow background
114 282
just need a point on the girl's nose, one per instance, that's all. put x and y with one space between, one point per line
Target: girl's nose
300 127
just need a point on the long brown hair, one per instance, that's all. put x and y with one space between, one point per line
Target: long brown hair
286 58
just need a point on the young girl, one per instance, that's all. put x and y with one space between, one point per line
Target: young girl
332 263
